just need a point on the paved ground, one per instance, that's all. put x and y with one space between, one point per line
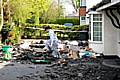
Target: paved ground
85 70
15 71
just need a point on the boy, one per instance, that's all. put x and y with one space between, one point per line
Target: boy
52 43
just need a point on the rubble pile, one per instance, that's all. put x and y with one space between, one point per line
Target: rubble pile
22 58
81 71
30 56
73 65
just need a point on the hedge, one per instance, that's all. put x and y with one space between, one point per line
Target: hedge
58 27
39 34
74 21
25 32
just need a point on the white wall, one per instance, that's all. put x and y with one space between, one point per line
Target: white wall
118 37
97 47
118 32
110 37
83 22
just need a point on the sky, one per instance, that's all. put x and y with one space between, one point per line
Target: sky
89 3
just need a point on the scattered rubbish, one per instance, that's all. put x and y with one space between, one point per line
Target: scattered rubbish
10 64
80 71
73 65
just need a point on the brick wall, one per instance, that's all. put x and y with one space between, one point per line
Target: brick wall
82 11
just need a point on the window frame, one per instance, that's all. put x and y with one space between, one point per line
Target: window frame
97 17
99 26
83 17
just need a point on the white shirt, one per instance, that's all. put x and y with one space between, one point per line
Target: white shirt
53 37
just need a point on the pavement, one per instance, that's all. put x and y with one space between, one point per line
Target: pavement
85 70
14 71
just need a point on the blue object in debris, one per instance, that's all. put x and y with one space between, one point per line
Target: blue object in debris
87 54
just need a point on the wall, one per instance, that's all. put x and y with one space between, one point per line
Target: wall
118 37
82 11
82 22
97 47
118 32
110 37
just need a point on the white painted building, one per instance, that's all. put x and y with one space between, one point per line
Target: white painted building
105 28
95 31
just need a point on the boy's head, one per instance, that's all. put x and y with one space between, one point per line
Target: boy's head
46 28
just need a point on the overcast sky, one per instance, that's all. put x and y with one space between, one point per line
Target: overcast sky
89 4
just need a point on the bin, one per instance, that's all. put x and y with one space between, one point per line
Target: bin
6 51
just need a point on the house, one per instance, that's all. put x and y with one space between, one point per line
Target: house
82 12
105 27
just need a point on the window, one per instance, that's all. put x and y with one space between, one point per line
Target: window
83 18
83 3
97 31
97 17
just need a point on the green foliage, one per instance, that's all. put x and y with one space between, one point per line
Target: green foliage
43 11
58 27
7 26
74 3
25 9
62 21
52 13
34 31
15 34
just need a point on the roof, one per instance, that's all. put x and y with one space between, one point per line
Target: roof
94 12
114 4
106 4
103 2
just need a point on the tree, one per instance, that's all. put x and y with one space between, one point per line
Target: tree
1 12
52 13
74 3
22 9
4 12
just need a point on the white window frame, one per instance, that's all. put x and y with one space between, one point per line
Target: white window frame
83 17
98 32
91 26
99 17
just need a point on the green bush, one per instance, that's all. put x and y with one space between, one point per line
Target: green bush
38 33
74 21
57 27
